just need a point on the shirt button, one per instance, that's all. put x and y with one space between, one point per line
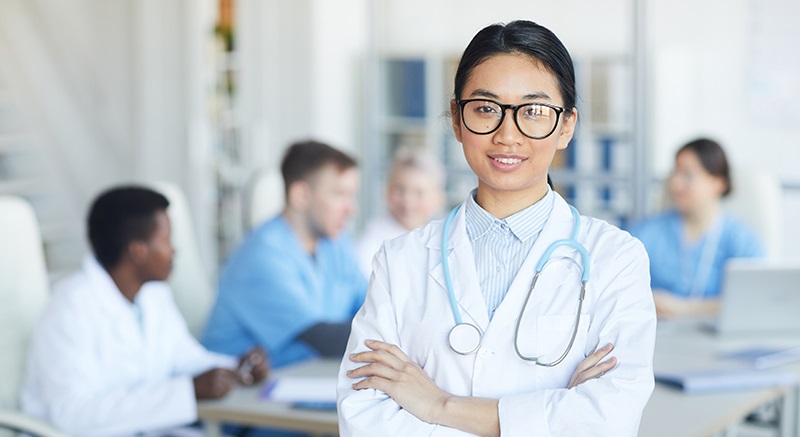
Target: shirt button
502 226
498 269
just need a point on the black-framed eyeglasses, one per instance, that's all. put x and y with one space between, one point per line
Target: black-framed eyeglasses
534 120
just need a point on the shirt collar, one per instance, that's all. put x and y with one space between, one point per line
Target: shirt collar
524 225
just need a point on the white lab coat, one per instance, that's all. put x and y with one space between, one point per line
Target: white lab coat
407 305
95 370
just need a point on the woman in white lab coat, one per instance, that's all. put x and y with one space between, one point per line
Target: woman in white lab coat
409 372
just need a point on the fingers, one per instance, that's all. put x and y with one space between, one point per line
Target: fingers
372 370
214 383
384 353
386 363
224 380
260 372
592 373
594 358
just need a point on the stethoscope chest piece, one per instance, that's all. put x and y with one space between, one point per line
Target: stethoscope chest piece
464 338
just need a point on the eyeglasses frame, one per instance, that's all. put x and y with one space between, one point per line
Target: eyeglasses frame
462 103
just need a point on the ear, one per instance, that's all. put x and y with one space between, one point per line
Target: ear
299 195
455 116
719 181
568 125
138 252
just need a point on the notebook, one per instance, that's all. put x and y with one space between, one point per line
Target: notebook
760 297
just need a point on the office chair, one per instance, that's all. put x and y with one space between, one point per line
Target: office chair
190 284
24 292
757 201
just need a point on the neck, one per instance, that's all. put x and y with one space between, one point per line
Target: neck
127 280
302 229
502 204
699 220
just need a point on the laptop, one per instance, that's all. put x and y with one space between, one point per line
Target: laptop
760 297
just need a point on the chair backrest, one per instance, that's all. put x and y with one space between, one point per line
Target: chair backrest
190 284
757 200
24 290
265 197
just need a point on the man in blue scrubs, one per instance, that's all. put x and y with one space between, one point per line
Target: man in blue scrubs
294 285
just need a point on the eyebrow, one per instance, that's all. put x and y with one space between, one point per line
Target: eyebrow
539 95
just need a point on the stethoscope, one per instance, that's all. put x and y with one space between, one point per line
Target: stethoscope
465 338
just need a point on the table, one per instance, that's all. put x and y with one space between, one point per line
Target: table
243 406
690 344
680 345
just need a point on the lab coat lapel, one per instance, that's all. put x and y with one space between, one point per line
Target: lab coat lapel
463 273
114 304
558 227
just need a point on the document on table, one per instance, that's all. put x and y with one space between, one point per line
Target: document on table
712 380
301 389
765 358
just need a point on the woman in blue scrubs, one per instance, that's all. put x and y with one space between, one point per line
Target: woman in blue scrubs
690 244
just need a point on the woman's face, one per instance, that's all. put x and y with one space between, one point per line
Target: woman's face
414 197
506 161
691 187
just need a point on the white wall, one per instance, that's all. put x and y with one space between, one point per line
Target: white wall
114 92
448 25
299 66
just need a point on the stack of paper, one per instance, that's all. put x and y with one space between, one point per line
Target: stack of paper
301 389
700 381
765 358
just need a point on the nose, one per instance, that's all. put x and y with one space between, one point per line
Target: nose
508 132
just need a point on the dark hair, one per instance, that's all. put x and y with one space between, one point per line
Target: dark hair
120 216
305 158
712 158
524 37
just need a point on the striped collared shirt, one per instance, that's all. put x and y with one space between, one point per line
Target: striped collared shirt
500 246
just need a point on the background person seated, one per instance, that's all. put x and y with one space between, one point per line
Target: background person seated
294 284
690 244
112 354
415 195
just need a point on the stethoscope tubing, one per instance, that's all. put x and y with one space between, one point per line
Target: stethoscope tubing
572 242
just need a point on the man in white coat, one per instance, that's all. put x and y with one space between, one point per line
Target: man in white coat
112 355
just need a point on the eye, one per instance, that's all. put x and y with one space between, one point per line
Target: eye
483 108
533 112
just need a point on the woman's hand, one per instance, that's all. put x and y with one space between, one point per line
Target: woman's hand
392 372
592 368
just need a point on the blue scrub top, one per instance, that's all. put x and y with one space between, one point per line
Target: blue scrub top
271 290
674 263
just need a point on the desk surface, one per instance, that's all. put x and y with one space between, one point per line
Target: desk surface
244 406
688 345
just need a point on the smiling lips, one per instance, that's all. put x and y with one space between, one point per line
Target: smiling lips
506 161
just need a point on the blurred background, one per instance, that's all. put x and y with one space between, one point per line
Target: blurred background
206 95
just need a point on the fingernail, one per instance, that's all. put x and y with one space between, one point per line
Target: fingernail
609 346
352 356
